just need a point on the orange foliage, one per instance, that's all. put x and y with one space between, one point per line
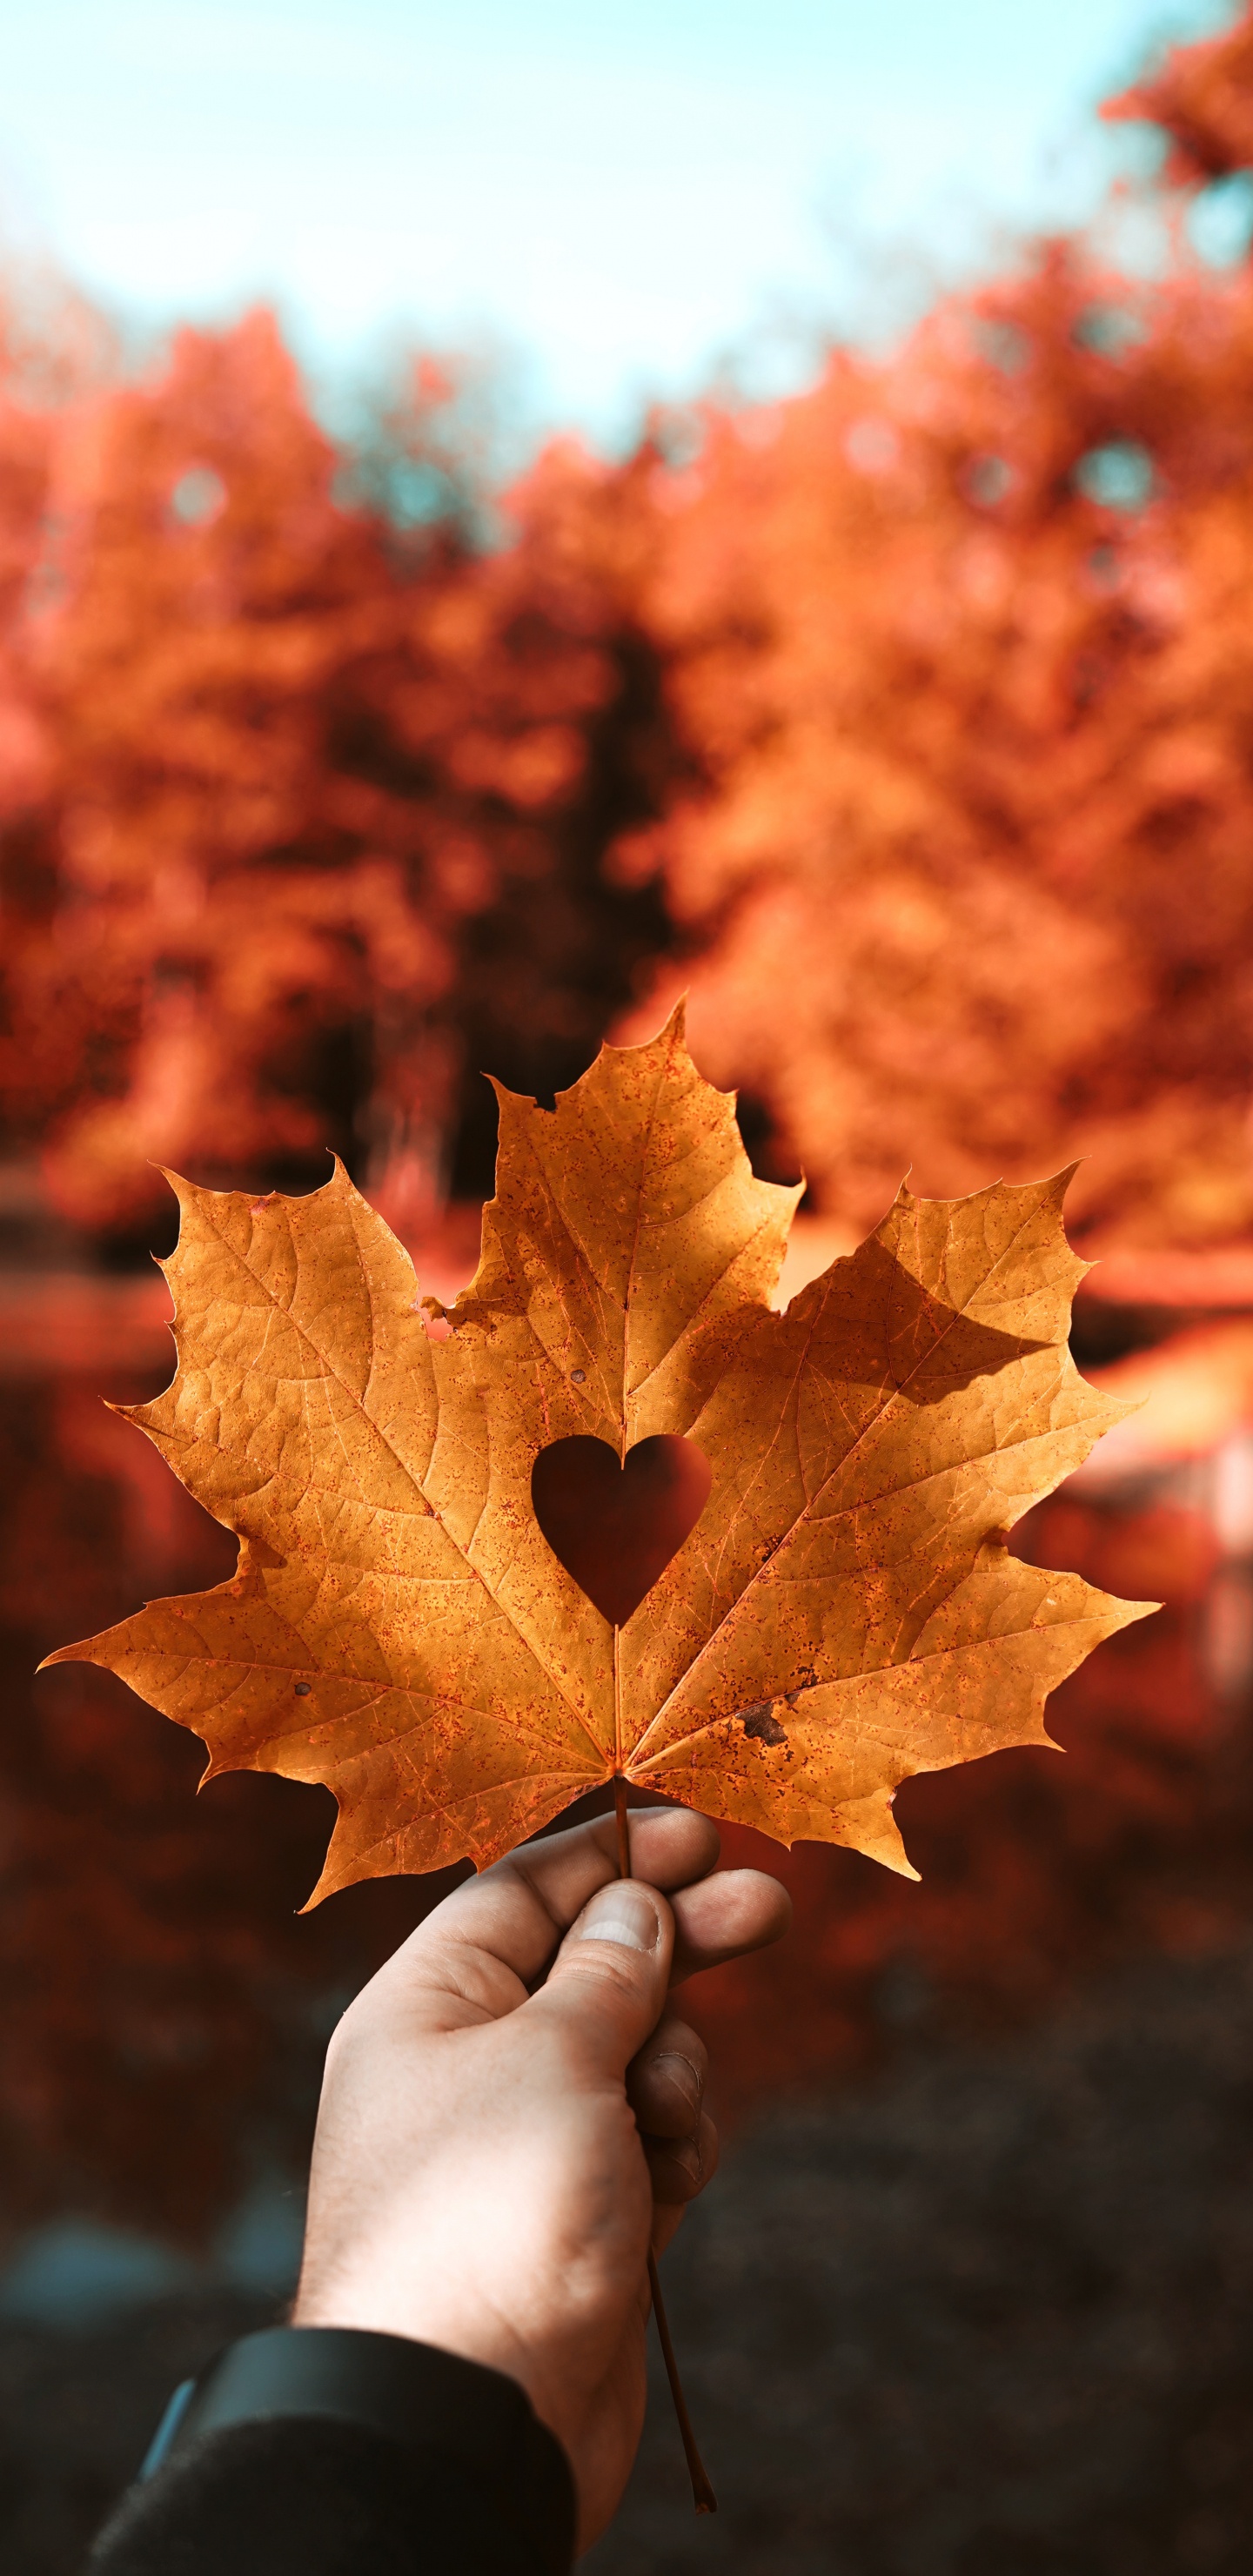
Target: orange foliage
909 721
1203 96
282 759
922 698
973 741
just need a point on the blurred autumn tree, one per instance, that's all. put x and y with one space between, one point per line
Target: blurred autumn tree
959 647
1201 97
304 800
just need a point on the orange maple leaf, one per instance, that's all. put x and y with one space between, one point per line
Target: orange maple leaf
842 1611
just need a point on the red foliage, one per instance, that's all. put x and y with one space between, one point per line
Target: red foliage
1202 96
958 648
923 698
283 759
166 2010
909 720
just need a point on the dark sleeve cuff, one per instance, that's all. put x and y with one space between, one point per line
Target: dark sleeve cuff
325 2452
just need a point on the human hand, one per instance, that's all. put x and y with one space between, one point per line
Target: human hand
494 2154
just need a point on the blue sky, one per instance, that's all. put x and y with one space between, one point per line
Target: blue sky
621 195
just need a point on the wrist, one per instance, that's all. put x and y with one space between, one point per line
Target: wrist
378 2303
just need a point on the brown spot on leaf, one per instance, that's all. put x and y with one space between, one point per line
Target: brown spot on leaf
762 1723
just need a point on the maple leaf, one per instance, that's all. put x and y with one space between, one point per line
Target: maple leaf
843 1613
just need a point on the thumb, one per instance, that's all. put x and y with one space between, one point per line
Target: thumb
607 1984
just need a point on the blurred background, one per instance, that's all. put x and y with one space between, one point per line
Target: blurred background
501 520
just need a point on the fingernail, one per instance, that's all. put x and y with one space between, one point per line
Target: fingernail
622 1913
686 2154
683 2075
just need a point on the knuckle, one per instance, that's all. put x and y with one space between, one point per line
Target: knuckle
610 1963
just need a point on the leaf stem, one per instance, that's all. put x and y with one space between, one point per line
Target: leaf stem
624 1869
624 1826
703 2496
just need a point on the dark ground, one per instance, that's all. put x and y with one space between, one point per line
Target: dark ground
993 2319
992 2316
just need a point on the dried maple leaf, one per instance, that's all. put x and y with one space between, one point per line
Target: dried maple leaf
843 1613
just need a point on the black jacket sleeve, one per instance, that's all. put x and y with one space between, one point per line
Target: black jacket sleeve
317 2451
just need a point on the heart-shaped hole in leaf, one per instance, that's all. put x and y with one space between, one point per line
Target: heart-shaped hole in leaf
615 1528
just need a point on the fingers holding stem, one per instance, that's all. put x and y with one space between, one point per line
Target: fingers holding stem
666 2088
669 2081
